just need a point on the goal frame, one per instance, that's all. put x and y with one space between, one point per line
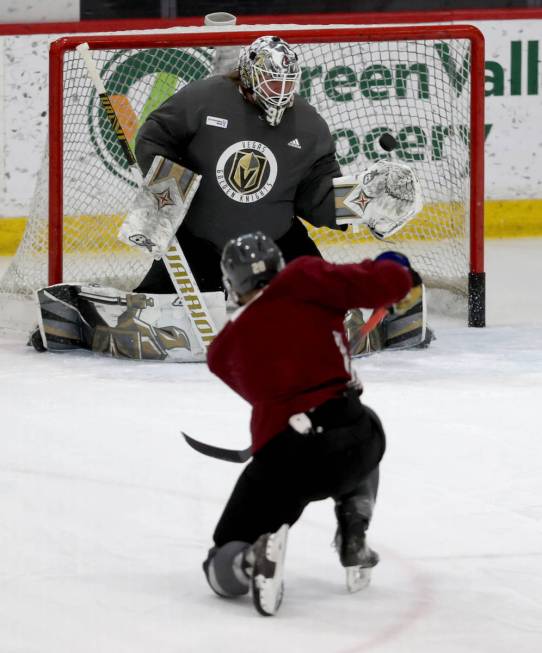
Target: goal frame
58 48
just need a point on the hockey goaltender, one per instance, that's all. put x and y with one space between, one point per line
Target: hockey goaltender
230 154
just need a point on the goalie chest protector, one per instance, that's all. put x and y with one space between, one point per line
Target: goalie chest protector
254 175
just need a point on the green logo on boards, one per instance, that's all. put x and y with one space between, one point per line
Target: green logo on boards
137 83
418 94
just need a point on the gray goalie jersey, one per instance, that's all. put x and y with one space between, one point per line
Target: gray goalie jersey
255 177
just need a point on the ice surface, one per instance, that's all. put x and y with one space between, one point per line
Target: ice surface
106 514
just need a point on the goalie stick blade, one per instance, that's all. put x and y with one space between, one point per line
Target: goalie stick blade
230 455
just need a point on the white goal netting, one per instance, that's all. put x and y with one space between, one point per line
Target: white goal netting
417 90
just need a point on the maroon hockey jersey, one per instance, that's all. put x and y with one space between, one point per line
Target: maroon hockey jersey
286 351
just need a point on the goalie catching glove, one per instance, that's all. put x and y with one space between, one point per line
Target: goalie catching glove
383 197
159 207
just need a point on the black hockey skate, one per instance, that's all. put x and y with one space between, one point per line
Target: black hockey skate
267 585
350 541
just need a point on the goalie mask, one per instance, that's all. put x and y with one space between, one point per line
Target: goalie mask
268 69
249 262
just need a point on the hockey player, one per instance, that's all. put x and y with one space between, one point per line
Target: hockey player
285 352
265 156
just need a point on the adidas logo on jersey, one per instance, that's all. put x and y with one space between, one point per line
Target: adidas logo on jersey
295 143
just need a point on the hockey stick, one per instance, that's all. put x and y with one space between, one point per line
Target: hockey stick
175 261
374 320
230 455
242 455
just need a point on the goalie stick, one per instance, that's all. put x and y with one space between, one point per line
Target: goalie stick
175 261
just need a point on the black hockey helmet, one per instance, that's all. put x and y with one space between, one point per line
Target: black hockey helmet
249 262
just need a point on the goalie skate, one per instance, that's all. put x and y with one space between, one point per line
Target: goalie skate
267 585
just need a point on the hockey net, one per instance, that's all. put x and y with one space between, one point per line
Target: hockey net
421 84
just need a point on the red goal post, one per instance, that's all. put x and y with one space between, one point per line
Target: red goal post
376 82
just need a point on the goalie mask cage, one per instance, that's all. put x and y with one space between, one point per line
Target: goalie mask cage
422 84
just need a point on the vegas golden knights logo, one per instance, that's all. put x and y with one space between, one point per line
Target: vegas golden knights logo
246 171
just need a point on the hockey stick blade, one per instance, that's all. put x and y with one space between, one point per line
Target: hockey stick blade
230 455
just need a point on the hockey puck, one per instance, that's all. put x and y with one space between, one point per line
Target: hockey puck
387 142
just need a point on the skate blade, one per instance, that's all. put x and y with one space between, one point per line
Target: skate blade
357 578
268 592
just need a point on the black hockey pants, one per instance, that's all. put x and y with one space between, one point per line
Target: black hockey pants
294 469
204 260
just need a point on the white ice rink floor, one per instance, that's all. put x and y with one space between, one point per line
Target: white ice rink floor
106 514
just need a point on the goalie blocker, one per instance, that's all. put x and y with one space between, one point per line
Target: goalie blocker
159 207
